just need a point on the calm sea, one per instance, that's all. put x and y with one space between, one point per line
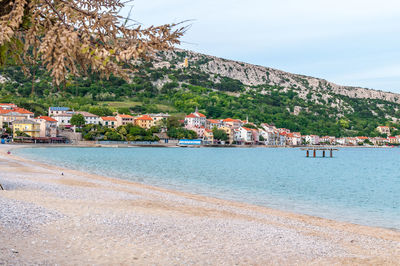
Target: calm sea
358 185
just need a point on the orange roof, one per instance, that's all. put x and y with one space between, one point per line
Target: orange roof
22 110
384 126
230 120
362 137
200 114
16 110
47 118
144 117
208 130
213 121
191 116
125 116
108 118
10 104
245 128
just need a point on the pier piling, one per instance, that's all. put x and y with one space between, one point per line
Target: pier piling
323 149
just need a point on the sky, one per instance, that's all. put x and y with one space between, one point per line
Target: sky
348 42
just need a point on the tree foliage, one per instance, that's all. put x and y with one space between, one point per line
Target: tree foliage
77 120
71 37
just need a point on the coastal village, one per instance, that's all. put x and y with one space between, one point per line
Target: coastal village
20 125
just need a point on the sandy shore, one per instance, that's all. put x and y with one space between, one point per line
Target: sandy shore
47 217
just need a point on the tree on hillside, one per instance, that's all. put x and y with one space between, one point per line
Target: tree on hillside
73 37
219 134
78 120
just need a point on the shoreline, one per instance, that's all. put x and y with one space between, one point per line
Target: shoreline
144 203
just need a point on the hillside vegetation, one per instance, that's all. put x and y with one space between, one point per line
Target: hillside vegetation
220 89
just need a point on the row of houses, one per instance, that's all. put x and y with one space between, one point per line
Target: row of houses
63 116
237 131
268 134
22 120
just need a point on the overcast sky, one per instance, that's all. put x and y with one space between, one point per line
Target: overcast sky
349 42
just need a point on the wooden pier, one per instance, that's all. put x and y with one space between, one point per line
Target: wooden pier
315 149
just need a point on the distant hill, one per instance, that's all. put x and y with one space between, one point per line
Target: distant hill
220 88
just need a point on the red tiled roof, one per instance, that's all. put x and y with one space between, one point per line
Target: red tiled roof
125 116
191 116
5 111
47 118
230 120
16 110
200 114
22 111
213 121
245 128
108 118
144 117
362 137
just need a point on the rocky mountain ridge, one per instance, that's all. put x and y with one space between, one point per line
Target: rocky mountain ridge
257 76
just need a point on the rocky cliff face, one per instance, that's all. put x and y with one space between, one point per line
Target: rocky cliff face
254 75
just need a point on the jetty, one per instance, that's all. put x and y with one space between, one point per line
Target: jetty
315 149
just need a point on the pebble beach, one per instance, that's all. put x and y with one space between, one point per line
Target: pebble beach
50 215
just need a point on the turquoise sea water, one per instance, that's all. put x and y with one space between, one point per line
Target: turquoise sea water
358 185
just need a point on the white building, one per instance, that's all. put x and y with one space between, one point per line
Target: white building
246 135
89 118
63 119
195 119
270 134
312 139
58 110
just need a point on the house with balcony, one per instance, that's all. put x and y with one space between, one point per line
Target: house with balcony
195 119
108 121
123 120
246 135
9 115
208 136
232 123
311 139
63 119
89 117
229 133
293 139
29 127
384 130
393 140
48 127
213 123
144 121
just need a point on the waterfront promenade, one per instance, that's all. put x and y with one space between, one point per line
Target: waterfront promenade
50 215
